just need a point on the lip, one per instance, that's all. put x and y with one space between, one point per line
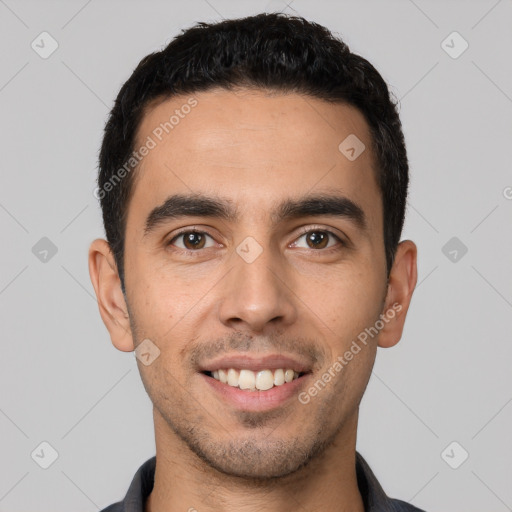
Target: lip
256 364
255 401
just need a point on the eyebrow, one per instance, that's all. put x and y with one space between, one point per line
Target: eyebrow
183 205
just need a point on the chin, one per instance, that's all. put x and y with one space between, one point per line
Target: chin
259 460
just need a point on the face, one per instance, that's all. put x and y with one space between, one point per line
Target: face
267 265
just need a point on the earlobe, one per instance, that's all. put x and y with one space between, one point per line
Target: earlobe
111 301
402 281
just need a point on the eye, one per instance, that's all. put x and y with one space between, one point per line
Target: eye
191 240
319 239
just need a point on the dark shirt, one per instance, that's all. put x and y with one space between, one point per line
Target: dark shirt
374 497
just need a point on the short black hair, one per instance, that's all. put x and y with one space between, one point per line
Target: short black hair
268 51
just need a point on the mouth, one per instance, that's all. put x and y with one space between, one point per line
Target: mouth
249 380
254 382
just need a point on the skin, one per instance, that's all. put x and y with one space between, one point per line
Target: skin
256 150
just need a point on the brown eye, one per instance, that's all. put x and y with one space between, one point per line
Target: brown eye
191 240
318 239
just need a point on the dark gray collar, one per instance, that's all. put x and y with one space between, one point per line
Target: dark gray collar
374 497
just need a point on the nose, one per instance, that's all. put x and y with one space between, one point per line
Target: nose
257 295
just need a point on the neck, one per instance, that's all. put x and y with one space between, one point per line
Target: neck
184 482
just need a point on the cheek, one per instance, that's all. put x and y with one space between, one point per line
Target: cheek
171 308
171 286
163 297
346 302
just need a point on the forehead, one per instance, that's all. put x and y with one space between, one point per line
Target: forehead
253 147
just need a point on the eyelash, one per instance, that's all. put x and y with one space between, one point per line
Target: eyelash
303 231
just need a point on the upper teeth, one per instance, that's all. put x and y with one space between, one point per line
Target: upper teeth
262 380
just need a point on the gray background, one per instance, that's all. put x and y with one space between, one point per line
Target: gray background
449 379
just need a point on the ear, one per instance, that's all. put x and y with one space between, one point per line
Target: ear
401 284
111 301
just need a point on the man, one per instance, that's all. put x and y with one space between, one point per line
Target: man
253 181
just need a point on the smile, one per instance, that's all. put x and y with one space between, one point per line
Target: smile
249 380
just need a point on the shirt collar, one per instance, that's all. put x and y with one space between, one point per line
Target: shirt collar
374 497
